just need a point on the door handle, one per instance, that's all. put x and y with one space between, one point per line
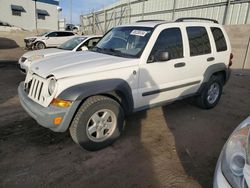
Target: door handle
177 65
210 59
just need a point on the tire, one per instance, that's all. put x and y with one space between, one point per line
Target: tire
211 93
97 123
40 45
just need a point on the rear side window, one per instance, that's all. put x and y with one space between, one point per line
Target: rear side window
64 34
170 40
198 41
219 39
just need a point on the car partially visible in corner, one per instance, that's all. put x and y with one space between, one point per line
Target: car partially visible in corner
78 43
233 166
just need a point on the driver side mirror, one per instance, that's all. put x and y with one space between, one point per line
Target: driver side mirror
162 56
159 57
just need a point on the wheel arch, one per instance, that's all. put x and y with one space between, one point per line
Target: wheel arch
41 42
217 69
117 89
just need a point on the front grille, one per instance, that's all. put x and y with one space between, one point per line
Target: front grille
35 88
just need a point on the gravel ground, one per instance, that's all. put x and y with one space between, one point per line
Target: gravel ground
171 146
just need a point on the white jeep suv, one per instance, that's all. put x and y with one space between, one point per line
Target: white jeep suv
133 67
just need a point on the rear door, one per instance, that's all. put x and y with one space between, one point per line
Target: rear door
63 37
201 51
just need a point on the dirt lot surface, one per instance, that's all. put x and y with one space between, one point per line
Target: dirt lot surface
172 146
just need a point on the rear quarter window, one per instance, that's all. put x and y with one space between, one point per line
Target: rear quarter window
219 39
198 41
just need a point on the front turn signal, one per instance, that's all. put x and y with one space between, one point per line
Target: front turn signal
61 103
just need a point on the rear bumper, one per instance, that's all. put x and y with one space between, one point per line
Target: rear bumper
45 115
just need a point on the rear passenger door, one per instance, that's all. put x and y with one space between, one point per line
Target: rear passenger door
63 37
200 52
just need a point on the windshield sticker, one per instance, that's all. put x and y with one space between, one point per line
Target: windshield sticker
138 33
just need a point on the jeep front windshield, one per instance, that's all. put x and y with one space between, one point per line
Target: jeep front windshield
124 41
72 43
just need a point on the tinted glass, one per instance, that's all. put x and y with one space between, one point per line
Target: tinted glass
72 43
219 39
169 40
92 42
53 34
198 41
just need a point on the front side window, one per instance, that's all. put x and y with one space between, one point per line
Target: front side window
169 40
124 41
92 42
53 34
198 41
219 39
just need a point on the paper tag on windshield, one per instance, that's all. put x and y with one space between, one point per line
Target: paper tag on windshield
138 33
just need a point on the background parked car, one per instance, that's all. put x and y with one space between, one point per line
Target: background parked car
71 27
233 166
78 43
48 39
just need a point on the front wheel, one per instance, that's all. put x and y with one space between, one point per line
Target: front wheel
211 93
98 123
40 45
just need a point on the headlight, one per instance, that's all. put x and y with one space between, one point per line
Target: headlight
52 86
35 57
234 158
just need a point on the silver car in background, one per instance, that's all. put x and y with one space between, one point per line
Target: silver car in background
233 166
79 43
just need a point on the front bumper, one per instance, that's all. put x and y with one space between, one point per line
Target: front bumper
29 44
45 115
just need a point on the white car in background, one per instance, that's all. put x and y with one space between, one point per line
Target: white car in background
233 166
48 39
78 43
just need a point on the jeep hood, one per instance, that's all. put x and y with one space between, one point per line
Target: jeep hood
73 64
45 52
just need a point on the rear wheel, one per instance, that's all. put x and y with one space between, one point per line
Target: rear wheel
211 93
98 123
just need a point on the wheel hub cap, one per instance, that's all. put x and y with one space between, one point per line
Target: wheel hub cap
213 93
101 125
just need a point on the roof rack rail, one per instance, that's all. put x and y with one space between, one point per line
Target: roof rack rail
150 21
194 18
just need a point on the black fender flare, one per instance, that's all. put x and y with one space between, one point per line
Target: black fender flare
112 87
213 69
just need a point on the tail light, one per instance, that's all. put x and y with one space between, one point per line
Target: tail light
230 60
